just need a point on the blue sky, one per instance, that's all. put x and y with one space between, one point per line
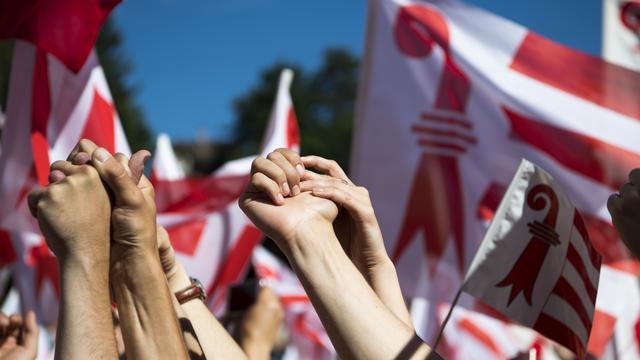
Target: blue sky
193 57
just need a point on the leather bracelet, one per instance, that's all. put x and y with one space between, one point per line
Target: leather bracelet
193 291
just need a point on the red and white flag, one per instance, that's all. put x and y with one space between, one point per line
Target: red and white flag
536 264
308 337
451 98
621 32
57 95
211 235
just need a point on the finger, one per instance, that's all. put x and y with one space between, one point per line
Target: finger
136 163
634 177
124 190
293 178
124 161
30 333
310 175
323 182
65 167
628 192
262 183
15 324
348 197
294 159
33 199
84 145
4 323
614 203
326 166
81 158
273 172
55 176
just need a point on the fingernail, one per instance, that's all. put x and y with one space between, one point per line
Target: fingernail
280 198
295 190
285 189
300 169
102 154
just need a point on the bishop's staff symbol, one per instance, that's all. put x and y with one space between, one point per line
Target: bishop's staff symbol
436 204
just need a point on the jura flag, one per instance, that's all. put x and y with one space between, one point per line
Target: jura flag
451 98
212 237
621 32
536 263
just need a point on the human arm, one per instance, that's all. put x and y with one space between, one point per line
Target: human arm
215 341
74 216
259 327
357 322
357 229
149 324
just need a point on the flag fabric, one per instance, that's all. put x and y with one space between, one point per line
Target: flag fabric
50 108
621 33
451 98
307 335
66 29
536 263
210 234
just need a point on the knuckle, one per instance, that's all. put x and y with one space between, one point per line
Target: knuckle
363 190
272 156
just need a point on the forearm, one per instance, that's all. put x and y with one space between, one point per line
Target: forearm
215 341
357 322
383 279
149 324
85 327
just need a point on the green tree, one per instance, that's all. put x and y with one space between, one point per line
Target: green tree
116 68
324 102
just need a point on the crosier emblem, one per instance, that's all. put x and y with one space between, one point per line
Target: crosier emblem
436 204
524 272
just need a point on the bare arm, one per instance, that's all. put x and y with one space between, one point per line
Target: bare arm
149 324
74 214
214 340
359 325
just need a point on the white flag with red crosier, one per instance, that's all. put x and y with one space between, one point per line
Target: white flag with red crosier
451 98
211 235
536 264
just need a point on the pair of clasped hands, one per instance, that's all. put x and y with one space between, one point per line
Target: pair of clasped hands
307 201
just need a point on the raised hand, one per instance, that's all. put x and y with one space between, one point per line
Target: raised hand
18 337
280 218
625 212
357 228
258 330
74 213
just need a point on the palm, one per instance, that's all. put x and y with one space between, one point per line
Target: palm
283 222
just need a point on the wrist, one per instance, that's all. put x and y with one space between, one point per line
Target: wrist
178 278
135 271
255 348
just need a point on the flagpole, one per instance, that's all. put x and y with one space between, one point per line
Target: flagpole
446 319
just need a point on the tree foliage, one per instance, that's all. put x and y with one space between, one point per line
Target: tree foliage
324 102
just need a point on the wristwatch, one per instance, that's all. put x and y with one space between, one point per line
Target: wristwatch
193 291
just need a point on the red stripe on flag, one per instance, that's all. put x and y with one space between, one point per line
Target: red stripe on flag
579 74
558 331
185 236
575 260
604 238
7 253
100 126
481 336
237 259
601 333
293 133
564 290
40 110
593 158
293 299
579 224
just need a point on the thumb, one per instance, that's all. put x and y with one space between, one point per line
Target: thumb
115 176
